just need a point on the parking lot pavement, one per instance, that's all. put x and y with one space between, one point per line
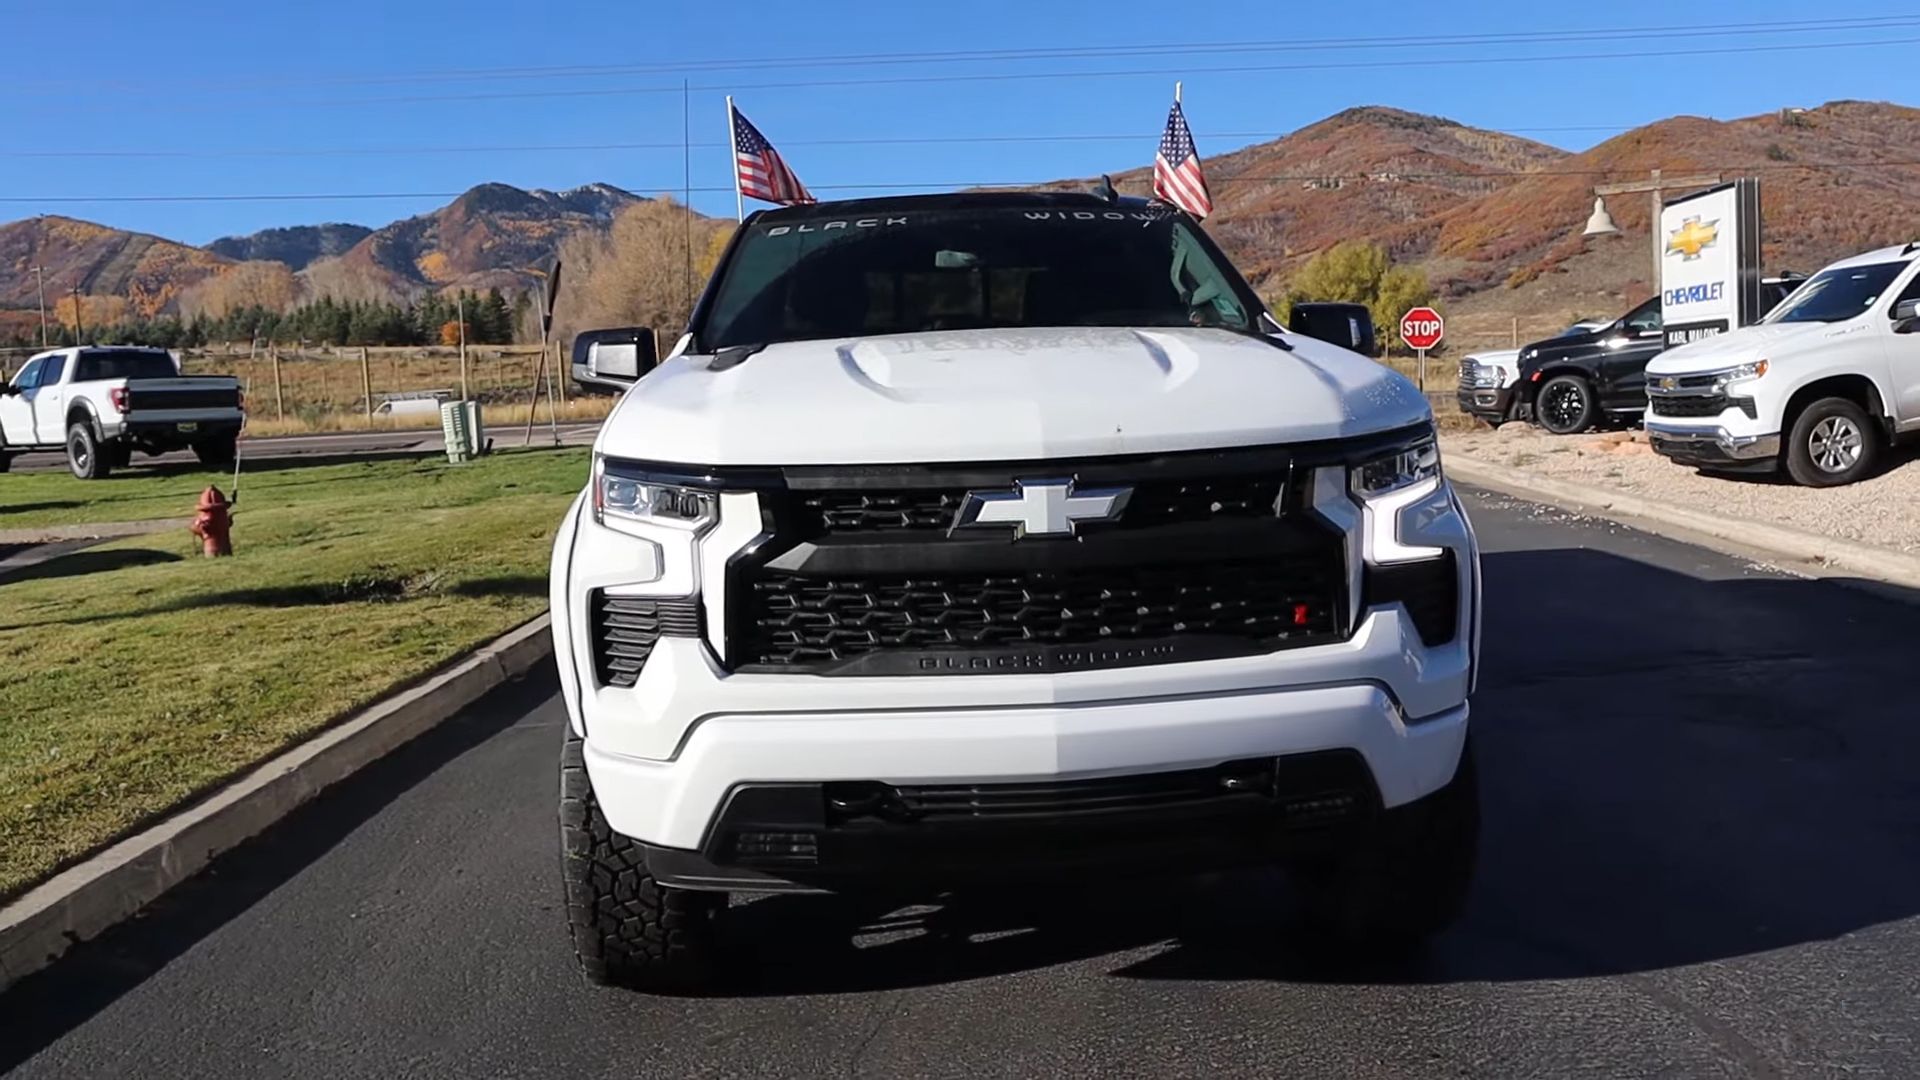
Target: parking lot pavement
346 444
1699 860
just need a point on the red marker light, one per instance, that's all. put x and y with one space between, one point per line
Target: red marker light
1299 614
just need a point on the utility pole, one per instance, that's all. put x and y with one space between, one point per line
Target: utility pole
1653 188
460 302
40 283
78 335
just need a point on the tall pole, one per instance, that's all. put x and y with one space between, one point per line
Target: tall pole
686 179
460 304
78 335
1653 227
733 155
40 283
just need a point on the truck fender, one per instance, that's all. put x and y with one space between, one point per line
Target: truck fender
84 408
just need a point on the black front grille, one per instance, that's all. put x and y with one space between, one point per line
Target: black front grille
797 621
184 399
1163 502
625 629
1690 405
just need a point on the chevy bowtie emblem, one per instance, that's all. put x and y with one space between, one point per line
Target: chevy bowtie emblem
1692 237
1668 382
1041 507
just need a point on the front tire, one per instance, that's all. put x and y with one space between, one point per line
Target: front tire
1408 877
1565 405
628 929
85 456
1833 442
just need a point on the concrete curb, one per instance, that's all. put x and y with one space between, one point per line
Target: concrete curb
1808 551
84 900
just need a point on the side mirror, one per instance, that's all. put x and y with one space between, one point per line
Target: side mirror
621 355
7 389
1906 316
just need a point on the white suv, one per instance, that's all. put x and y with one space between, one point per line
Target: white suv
1822 385
970 540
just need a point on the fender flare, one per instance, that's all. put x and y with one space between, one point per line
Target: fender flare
84 405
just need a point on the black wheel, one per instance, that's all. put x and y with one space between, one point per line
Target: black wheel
1833 442
1407 879
1565 405
628 929
218 451
6 460
85 456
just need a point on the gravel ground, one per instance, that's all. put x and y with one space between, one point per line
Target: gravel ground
1884 511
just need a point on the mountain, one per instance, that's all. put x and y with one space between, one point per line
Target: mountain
1366 173
298 246
1518 250
490 236
148 270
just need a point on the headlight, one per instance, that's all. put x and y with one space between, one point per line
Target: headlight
1391 472
1736 374
1528 354
623 494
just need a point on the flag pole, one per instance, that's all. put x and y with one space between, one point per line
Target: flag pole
1176 92
733 148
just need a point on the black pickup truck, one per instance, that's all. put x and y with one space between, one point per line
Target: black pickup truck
1570 383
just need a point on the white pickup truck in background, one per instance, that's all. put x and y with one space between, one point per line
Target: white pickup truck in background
101 403
1821 386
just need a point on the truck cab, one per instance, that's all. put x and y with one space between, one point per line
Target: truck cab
1820 387
980 540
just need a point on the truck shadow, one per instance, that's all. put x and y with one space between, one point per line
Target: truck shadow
1674 771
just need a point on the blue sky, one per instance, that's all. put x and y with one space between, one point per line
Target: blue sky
222 78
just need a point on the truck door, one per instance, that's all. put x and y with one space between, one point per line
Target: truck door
16 409
1903 357
1623 365
50 402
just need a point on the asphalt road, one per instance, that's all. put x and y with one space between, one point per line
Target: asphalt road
346 444
1702 858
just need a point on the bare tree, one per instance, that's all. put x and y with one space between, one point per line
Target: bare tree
635 274
270 285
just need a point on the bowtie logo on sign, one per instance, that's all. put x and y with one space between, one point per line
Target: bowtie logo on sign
1692 237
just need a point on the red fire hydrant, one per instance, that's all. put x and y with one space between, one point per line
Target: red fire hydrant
213 524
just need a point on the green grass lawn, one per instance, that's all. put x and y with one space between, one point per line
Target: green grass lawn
136 675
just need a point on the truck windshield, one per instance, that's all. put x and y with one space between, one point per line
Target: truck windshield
957 269
99 364
1836 295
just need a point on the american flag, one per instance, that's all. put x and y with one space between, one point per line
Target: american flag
763 174
1176 168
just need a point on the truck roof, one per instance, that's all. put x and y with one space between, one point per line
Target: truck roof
1896 253
956 200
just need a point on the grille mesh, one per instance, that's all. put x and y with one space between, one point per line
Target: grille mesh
798 620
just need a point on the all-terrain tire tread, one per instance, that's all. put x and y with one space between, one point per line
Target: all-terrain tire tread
627 929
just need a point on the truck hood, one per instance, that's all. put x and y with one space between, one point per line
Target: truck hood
979 395
1744 345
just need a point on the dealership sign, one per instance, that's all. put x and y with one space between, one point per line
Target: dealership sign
1710 262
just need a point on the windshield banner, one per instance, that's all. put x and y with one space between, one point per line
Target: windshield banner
1710 262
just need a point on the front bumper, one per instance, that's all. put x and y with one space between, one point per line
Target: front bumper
1045 791
1488 403
1712 446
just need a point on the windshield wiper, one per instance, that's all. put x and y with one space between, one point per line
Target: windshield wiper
734 355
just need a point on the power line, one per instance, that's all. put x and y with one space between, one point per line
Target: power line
1527 37
408 151
1187 71
1389 177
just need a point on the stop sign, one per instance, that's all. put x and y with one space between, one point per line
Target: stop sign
1422 328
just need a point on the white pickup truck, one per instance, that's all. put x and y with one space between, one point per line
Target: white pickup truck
964 541
1822 385
100 403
